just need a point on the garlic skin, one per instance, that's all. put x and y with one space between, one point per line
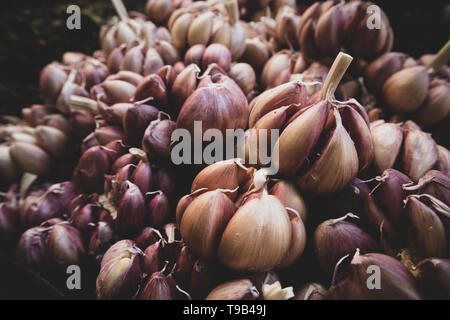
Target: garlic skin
311 291
242 289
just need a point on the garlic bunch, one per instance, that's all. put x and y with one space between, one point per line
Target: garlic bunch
326 27
208 22
143 58
218 102
75 76
33 150
248 231
408 88
407 145
336 143
159 11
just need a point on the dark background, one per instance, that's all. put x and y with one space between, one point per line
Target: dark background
33 33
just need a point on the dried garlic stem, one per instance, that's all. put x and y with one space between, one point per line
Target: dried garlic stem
120 9
232 8
441 58
337 71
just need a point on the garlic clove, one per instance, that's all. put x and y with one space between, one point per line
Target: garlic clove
120 271
156 141
311 291
289 152
434 277
185 84
390 194
130 210
118 90
226 174
387 140
277 63
298 241
30 158
152 260
107 134
425 231
133 60
167 51
286 94
158 287
350 279
258 236
405 91
329 31
179 30
212 209
435 107
152 86
152 62
159 211
100 241
336 238
290 197
201 28
194 55
217 53
64 246
52 140
420 154
135 120
360 134
443 163
336 165
8 169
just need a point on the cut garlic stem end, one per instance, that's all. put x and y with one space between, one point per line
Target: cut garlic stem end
120 9
274 291
441 58
337 71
